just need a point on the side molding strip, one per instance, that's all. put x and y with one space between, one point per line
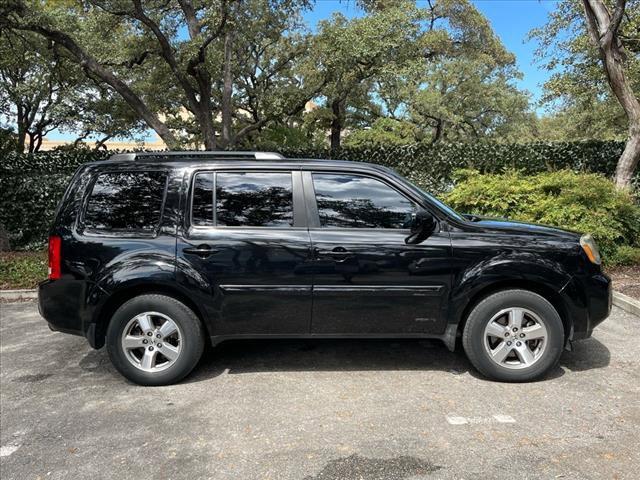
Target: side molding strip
417 290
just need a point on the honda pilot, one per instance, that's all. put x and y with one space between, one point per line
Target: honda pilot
157 254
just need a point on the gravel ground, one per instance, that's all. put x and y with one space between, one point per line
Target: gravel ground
317 411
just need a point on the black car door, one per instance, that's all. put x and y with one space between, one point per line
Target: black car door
367 280
246 238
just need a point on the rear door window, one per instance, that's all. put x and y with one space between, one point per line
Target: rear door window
129 202
242 199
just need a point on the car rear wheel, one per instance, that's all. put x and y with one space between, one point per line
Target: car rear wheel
513 336
154 340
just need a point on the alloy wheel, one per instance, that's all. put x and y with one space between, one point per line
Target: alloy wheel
151 341
515 338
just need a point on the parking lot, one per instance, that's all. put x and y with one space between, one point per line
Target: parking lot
316 410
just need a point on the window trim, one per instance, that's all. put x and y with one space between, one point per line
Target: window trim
81 228
312 203
297 197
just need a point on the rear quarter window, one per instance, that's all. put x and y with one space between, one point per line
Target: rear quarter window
125 202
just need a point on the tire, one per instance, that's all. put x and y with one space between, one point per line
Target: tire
489 335
154 340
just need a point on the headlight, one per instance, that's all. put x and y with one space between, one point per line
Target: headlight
589 246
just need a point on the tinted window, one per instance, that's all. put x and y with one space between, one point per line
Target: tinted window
202 206
126 201
254 199
353 201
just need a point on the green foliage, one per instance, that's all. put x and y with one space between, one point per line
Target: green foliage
8 140
42 90
432 165
583 106
626 255
384 132
436 66
22 269
582 202
31 185
276 137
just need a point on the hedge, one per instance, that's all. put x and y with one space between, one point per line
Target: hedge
582 202
32 184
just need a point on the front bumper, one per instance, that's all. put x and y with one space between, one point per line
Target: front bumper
590 297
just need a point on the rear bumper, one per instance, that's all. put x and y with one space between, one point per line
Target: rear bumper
61 304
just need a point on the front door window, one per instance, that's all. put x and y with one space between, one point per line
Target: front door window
355 201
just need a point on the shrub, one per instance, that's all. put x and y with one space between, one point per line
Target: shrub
22 269
580 202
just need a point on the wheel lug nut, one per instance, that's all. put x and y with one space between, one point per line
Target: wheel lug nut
149 334
145 341
518 344
522 335
515 329
151 349
506 334
159 345
158 335
508 343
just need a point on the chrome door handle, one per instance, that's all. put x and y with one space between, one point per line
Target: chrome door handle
203 251
339 254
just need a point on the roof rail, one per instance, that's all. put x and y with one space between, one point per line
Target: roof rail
197 154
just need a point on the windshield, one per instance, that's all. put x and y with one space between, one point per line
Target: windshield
430 198
441 205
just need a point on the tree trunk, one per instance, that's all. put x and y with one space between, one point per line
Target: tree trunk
31 142
205 122
227 91
439 133
38 142
22 130
337 123
603 30
628 161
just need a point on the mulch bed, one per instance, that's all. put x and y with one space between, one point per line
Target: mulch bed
626 280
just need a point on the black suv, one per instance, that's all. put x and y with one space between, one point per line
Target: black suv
156 254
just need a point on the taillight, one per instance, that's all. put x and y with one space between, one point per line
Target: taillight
55 257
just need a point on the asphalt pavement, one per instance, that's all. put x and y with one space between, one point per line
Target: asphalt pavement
316 410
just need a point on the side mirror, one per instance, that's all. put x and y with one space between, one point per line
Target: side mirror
422 225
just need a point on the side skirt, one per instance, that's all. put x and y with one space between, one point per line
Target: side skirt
449 337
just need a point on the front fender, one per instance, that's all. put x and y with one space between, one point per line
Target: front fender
513 269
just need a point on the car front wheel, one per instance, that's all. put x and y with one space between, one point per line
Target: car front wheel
154 340
513 336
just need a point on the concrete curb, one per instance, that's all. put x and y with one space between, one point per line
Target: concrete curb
626 303
620 300
18 295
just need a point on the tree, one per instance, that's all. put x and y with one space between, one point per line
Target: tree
100 113
41 91
221 66
262 61
351 54
440 67
223 73
34 89
593 49
604 30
